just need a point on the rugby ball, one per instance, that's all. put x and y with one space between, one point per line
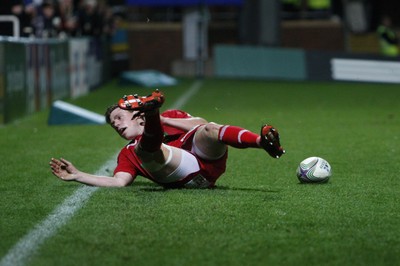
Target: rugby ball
314 170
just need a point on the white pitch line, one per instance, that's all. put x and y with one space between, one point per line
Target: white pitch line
26 247
189 93
30 243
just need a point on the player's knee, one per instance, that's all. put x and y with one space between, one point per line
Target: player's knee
212 129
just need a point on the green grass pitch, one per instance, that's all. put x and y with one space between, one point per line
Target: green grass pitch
259 214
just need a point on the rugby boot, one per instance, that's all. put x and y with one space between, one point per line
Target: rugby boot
270 141
142 103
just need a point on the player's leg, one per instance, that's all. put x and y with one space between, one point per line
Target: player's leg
210 140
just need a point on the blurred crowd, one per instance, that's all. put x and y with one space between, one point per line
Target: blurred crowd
58 18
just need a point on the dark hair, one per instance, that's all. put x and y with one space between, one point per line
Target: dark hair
109 111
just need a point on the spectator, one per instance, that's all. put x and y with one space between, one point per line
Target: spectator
319 9
388 39
319 5
68 16
109 22
90 22
46 23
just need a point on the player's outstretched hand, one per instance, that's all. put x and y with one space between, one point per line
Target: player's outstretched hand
63 169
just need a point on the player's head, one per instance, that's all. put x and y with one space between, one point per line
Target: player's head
127 123
109 111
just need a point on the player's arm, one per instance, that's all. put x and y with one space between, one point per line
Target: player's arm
66 171
183 123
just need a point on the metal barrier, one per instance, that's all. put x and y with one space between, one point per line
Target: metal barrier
14 20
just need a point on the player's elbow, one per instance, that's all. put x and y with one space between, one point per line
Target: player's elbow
123 180
123 183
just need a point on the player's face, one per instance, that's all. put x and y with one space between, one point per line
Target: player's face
126 127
